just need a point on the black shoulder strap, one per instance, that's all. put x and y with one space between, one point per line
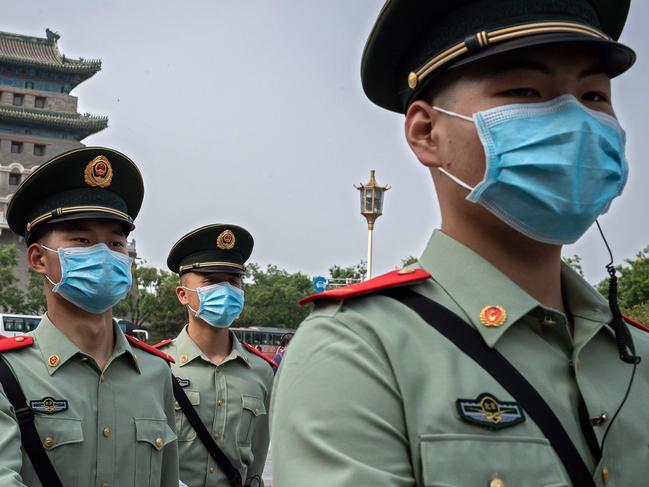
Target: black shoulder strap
31 441
204 435
471 343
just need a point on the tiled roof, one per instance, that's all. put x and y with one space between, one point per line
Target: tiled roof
43 53
86 124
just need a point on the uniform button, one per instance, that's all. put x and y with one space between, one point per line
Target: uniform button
48 442
599 420
220 402
212 469
496 483
256 411
104 484
216 436
549 321
184 358
177 405
20 339
605 474
158 441
106 431
84 359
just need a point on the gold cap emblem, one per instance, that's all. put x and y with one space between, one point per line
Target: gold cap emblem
226 240
493 316
99 172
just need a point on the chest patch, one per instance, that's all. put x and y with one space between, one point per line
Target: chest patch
49 405
183 382
489 412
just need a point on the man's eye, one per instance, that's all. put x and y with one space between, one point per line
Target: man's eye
596 96
117 244
522 93
81 240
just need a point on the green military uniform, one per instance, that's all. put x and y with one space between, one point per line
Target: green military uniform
104 428
231 398
387 413
372 395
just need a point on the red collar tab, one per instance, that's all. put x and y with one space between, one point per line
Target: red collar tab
148 348
636 324
163 343
252 349
391 279
15 343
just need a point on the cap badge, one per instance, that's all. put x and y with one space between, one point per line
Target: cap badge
493 316
226 240
99 172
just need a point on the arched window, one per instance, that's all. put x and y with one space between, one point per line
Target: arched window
14 178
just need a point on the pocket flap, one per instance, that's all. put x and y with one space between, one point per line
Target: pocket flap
254 405
193 396
55 432
156 432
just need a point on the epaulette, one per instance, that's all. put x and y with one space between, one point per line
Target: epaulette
148 348
636 324
162 343
14 343
391 279
252 349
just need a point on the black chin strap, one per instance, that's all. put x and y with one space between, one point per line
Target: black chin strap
622 336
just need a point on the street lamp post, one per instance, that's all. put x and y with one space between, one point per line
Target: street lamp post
371 209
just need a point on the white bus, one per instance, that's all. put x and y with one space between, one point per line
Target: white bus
12 325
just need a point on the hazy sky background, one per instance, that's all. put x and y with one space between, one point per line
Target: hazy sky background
252 112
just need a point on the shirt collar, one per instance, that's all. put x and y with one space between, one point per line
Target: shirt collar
57 349
188 350
474 284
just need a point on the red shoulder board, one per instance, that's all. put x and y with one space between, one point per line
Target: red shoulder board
148 348
391 279
162 343
636 324
14 343
252 349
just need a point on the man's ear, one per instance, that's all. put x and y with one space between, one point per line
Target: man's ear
421 133
181 294
36 259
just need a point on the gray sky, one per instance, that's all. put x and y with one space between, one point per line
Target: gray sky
251 112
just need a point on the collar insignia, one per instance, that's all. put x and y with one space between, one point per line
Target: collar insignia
98 172
489 412
493 316
183 382
49 405
226 240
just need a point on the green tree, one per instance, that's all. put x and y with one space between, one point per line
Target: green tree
633 281
272 297
355 272
34 302
11 297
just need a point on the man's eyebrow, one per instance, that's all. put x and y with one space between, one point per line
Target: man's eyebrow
593 71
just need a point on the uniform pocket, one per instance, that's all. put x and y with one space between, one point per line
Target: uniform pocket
185 430
251 408
62 439
459 460
151 436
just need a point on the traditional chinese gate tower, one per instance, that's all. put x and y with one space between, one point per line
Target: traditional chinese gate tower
38 116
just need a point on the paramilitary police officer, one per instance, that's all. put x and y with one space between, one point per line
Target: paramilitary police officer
490 363
101 402
226 382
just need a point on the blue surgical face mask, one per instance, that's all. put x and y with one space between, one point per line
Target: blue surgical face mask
93 278
552 168
219 304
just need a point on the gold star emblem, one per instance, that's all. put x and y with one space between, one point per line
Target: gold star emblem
98 172
226 240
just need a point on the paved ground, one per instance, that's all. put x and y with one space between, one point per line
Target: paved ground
268 471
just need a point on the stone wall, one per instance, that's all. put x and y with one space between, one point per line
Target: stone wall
54 102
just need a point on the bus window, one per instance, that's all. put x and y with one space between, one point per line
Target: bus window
277 338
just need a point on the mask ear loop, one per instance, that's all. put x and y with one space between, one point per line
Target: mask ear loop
188 306
46 276
622 336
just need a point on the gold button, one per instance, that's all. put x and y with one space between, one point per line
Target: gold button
53 360
216 436
158 441
549 321
177 405
84 359
406 271
48 442
212 469
497 483
103 484
106 431
220 402
256 411
184 358
605 474
20 339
